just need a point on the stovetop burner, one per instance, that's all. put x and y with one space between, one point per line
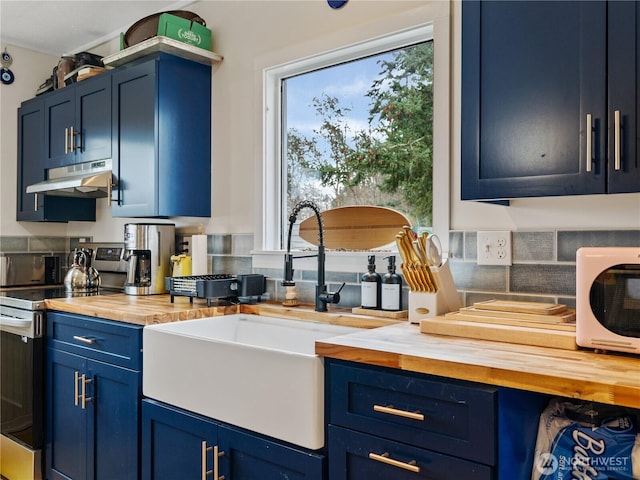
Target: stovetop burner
32 298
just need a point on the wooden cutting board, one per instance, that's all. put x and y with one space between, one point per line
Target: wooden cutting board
565 316
355 227
500 333
401 315
496 320
539 308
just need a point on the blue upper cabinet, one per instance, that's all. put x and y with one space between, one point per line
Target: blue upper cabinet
31 169
623 98
162 138
535 115
78 123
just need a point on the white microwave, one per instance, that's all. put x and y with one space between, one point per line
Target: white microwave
608 298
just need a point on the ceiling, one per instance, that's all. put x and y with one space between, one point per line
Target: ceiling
71 26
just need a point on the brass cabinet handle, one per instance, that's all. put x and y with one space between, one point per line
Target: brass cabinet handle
203 458
88 341
385 458
216 467
83 394
80 395
72 140
400 413
589 136
616 140
75 389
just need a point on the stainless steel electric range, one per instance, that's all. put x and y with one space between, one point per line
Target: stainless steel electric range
22 361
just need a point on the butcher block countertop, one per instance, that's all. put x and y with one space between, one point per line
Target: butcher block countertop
154 309
606 378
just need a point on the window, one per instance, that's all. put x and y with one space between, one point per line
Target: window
286 130
360 133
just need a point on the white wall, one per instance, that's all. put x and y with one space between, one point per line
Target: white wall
246 32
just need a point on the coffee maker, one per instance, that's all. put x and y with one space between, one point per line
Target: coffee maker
148 249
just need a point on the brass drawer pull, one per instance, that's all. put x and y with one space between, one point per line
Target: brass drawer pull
400 413
88 341
384 458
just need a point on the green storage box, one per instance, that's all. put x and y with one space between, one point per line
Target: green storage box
184 30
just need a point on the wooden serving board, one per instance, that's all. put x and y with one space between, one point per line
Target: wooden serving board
355 227
500 333
558 325
566 316
522 307
402 314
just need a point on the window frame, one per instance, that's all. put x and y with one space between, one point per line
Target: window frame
378 37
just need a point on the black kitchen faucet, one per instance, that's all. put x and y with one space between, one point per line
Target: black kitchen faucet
322 295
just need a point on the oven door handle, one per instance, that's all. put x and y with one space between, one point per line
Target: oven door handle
15 322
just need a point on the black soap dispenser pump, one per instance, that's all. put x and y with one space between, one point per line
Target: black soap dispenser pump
370 286
391 288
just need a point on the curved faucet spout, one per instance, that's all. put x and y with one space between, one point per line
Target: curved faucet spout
294 216
322 295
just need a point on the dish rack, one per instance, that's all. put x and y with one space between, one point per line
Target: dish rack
216 286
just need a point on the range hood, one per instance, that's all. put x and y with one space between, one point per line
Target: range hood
88 180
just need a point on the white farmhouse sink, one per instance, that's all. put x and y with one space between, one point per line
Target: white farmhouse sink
255 372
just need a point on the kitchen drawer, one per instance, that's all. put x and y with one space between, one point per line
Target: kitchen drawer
105 340
358 456
451 417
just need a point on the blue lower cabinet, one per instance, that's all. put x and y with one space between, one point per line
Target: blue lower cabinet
388 424
251 457
66 454
359 456
439 414
175 444
180 444
93 399
92 419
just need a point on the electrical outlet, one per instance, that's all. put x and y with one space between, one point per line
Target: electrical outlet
494 247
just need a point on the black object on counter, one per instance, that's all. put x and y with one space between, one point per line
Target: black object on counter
370 286
391 288
219 286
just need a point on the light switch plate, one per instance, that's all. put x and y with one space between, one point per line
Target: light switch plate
494 247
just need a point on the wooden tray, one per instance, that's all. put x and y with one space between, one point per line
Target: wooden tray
355 227
540 337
